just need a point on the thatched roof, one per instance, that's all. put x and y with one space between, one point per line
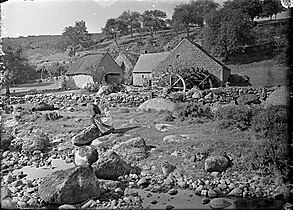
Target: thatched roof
86 64
147 62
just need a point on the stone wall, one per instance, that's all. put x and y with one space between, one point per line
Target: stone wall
135 98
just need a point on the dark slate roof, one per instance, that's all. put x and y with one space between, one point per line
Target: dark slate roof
85 64
146 62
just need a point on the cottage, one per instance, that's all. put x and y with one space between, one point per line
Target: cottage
185 55
94 68
144 66
127 62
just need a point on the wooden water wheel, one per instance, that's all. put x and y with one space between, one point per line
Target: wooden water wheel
172 82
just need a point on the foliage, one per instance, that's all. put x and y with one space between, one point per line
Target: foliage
190 110
192 13
78 35
114 27
227 31
18 68
271 7
252 8
178 96
131 19
240 115
168 116
271 128
53 69
154 20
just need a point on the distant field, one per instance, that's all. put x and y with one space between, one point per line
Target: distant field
264 73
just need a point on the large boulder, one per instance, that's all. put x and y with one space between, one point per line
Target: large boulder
216 163
42 106
85 155
176 138
131 150
219 203
157 104
5 140
110 166
86 136
248 99
278 97
35 141
70 186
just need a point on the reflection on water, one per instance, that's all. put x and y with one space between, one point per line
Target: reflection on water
184 199
57 164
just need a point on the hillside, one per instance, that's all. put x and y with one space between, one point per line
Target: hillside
53 48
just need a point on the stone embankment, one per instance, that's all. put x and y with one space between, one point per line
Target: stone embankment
134 99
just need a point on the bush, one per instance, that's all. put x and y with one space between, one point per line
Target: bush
240 115
271 130
167 115
191 110
178 96
124 110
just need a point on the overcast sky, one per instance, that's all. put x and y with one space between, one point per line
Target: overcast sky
50 17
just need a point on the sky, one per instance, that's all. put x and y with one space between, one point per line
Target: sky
50 17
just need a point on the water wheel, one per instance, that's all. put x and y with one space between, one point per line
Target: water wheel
172 82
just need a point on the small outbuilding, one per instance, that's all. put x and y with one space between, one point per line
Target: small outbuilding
144 66
94 68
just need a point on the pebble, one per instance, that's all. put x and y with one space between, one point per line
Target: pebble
205 200
66 206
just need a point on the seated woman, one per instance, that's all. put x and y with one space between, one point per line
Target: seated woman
101 120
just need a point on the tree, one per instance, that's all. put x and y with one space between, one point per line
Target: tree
252 8
17 67
192 13
227 31
154 20
78 35
131 19
114 27
271 7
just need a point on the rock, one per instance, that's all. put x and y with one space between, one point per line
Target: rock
143 182
104 90
176 138
42 106
86 136
22 204
110 166
132 150
235 192
66 206
73 185
219 203
172 192
215 174
280 96
205 200
157 104
248 99
5 141
8 203
197 94
216 163
35 141
163 127
109 184
212 193
198 190
5 192
167 168
85 156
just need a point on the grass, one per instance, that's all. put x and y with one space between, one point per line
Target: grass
266 73
202 137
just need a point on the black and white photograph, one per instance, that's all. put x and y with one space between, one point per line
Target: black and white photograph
146 104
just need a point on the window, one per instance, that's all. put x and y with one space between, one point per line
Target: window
142 76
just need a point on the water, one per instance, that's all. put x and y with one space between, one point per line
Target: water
57 164
184 199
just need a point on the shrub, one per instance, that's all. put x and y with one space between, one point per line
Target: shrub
241 115
271 130
192 110
124 110
178 96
